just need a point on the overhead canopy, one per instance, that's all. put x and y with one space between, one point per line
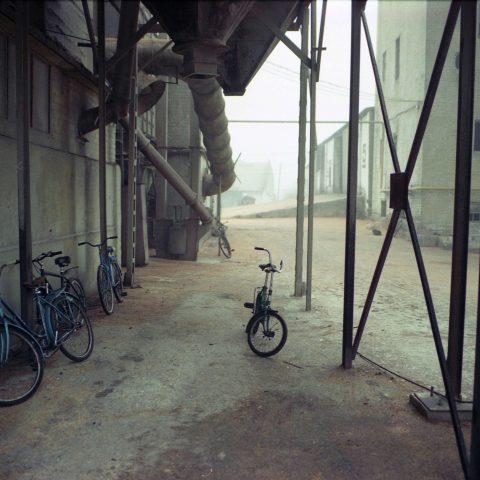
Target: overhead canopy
225 38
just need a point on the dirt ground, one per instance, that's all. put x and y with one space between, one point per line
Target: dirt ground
172 390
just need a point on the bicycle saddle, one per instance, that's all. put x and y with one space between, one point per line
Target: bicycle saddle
63 261
110 249
263 266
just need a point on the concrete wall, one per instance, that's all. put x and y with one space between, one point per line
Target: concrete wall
64 180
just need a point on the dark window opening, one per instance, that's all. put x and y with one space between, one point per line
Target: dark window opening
476 136
475 212
40 95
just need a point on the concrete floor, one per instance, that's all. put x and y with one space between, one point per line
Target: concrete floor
172 390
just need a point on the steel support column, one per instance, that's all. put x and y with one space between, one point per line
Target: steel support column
351 214
131 179
102 167
466 90
313 149
23 156
302 139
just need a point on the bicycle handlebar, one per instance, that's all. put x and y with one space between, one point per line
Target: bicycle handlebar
44 255
98 244
270 264
16 262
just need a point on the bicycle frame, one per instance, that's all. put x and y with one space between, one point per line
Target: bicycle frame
10 317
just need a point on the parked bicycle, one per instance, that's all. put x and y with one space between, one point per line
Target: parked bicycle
71 284
109 276
266 330
218 230
61 324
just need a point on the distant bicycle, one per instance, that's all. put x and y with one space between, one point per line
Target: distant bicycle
266 330
109 276
218 230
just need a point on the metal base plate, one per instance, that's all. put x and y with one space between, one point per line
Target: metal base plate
436 408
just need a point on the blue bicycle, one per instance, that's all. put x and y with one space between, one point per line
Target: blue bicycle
109 276
61 324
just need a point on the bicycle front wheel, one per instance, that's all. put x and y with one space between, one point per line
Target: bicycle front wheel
224 245
72 328
117 281
267 333
105 290
21 366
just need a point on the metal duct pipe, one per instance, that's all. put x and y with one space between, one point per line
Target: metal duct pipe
170 174
123 71
210 107
158 59
117 105
147 98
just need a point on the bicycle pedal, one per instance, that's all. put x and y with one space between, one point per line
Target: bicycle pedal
123 294
248 305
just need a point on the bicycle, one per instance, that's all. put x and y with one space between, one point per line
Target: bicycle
266 330
218 230
23 349
72 285
109 276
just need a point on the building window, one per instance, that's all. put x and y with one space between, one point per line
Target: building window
3 77
40 95
397 58
475 212
384 65
476 136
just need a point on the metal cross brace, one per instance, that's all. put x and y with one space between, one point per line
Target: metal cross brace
399 202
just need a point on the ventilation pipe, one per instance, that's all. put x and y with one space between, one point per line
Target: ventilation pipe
155 57
117 105
210 107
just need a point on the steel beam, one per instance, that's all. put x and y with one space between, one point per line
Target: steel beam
438 342
320 38
458 292
302 139
102 162
91 34
131 180
349 279
23 157
432 87
381 96
311 160
262 16
139 34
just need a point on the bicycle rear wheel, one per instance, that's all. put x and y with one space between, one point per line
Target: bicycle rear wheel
21 366
105 290
267 333
75 286
224 245
72 327
117 281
